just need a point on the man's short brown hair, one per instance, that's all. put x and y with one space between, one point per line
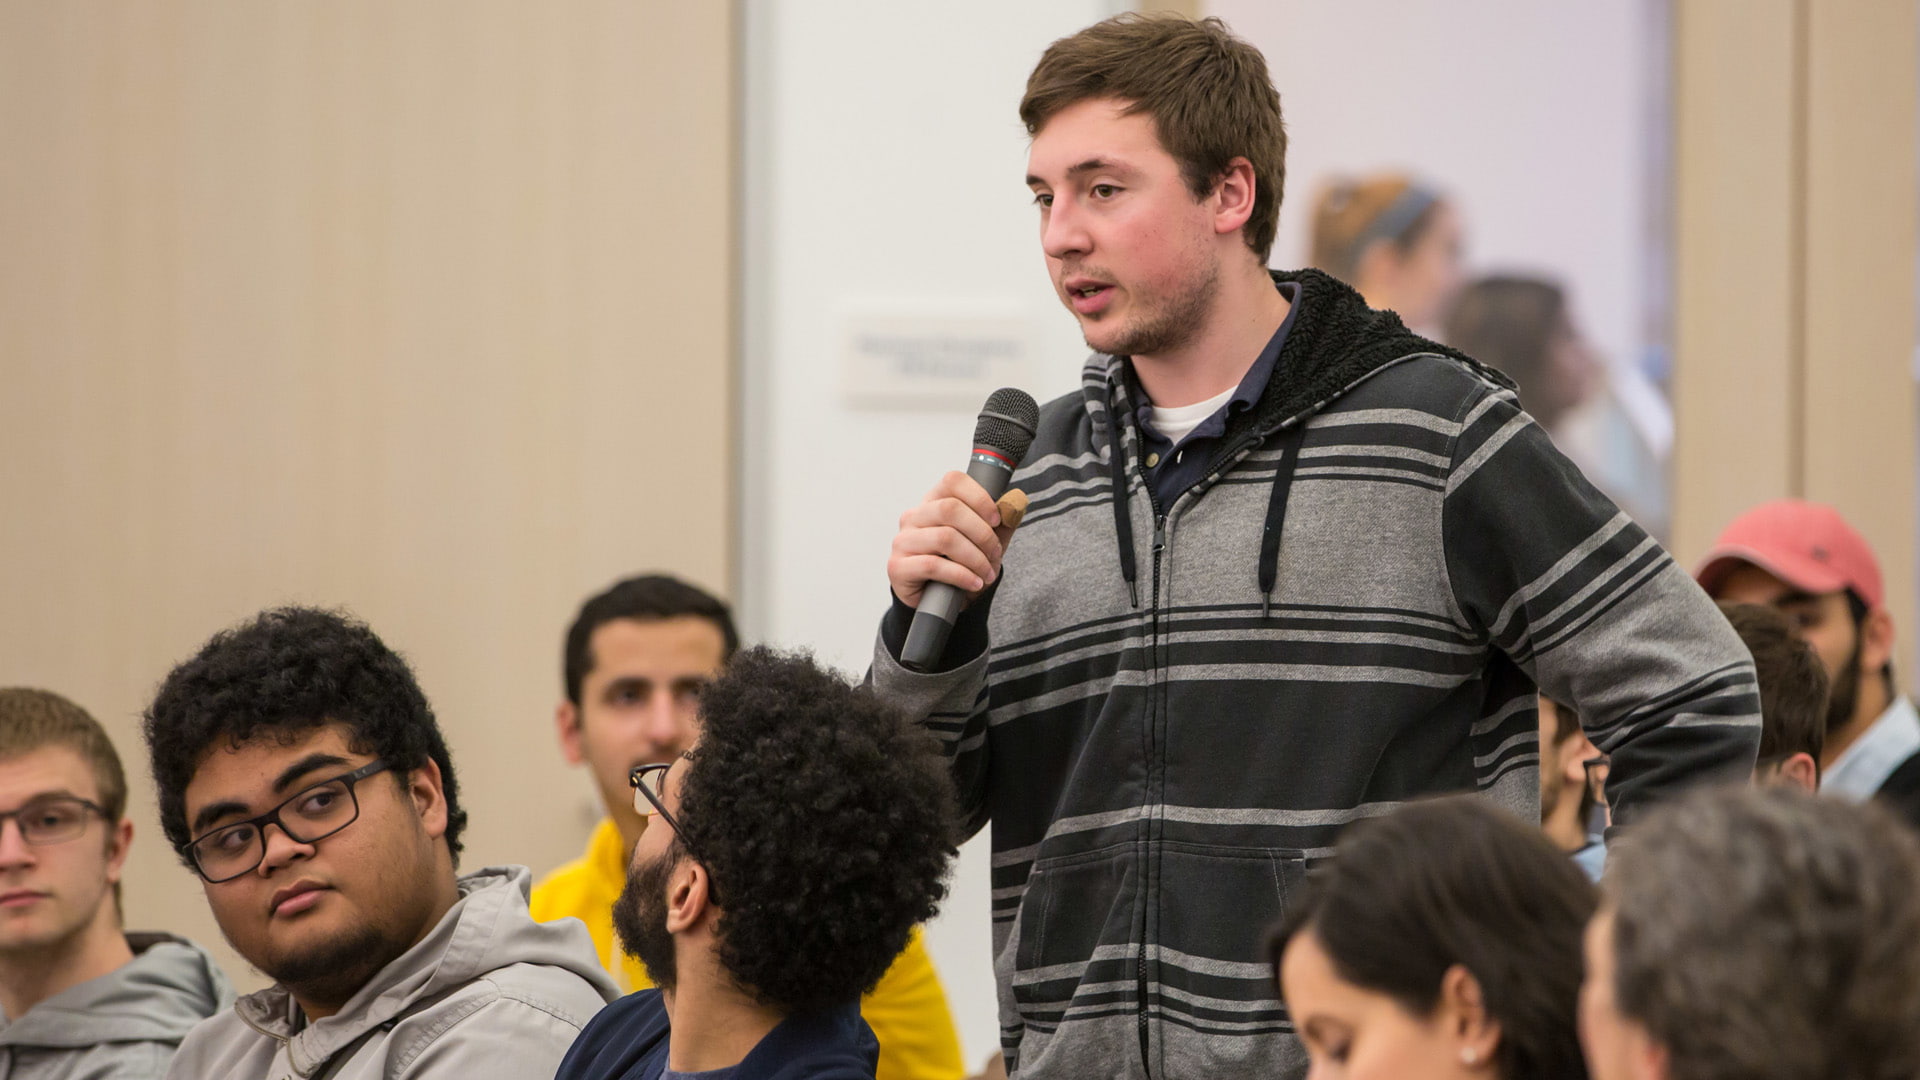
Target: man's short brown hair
34 719
1793 683
1207 91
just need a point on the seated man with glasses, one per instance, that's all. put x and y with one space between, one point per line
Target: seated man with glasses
301 774
784 861
78 997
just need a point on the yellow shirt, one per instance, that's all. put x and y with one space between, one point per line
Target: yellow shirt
907 1010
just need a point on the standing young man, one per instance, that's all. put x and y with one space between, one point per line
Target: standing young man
1339 563
787 857
302 776
638 656
78 997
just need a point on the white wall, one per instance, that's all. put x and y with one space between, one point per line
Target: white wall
1533 116
884 170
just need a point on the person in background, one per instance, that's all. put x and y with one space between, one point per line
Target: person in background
1609 419
1758 934
78 996
637 658
1521 326
1395 240
1570 800
787 856
1805 560
1793 697
302 776
1441 940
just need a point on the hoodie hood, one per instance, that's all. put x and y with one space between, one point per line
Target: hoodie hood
1335 344
169 986
487 929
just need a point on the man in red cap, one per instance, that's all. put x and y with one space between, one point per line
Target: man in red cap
1804 559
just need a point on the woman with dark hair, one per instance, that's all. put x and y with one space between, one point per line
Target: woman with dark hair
1442 940
1521 325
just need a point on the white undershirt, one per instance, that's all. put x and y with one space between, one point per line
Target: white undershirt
1177 423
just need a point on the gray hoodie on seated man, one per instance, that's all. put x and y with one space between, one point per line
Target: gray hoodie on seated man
301 774
78 997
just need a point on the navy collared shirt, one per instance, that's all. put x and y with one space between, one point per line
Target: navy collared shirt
1173 469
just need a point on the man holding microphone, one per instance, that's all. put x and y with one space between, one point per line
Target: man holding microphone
1285 565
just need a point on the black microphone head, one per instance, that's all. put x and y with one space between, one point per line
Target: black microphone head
1007 423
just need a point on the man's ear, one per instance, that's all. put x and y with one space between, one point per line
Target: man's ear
429 797
689 896
119 842
1574 755
1799 770
566 724
1232 196
1876 642
1462 1012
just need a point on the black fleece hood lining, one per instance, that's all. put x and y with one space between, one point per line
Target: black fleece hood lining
1336 343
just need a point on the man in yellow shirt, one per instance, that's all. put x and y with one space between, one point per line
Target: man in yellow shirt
637 657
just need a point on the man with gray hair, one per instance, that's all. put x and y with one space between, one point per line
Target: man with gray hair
1760 934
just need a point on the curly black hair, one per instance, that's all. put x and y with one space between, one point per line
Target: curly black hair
287 671
826 820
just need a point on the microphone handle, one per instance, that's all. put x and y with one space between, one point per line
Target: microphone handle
941 603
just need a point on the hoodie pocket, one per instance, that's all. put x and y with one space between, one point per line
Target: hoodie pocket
1075 927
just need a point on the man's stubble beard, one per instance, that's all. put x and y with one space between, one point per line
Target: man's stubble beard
334 970
1843 696
1177 320
640 919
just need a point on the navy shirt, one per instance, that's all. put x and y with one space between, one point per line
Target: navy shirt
628 1041
1173 469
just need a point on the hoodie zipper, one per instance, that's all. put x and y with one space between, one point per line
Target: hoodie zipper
1155 689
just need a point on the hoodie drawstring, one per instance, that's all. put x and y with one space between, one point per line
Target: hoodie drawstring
1122 518
1277 513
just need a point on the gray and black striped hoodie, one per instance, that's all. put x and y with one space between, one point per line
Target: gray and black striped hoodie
1167 711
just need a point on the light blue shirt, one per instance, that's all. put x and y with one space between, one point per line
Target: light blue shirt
1592 858
1885 746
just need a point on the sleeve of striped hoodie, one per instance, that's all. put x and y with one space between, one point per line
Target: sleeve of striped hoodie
951 703
1594 609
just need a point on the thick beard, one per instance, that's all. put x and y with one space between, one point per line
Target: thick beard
1843 695
333 971
1169 328
640 918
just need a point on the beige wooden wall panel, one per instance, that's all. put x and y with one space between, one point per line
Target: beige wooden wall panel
418 308
1736 284
1863 86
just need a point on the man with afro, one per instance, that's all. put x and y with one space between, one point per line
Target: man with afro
785 860
302 776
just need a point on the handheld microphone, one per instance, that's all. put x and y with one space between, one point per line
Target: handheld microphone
1000 440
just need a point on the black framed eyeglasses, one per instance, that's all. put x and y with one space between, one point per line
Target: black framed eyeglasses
54 819
649 791
312 814
1596 770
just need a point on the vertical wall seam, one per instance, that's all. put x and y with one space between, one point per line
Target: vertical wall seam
1797 345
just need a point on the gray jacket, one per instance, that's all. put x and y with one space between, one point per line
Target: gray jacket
489 993
1169 706
124 1024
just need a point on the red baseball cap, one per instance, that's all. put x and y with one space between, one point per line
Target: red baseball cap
1805 544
